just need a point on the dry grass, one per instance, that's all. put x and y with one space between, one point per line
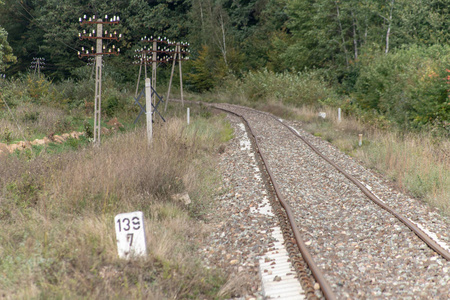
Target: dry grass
418 164
57 217
30 121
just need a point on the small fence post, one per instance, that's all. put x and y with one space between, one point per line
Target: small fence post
188 115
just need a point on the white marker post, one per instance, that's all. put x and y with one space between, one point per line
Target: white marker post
339 115
148 107
188 115
130 234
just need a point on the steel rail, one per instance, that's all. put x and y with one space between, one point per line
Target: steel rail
318 275
414 228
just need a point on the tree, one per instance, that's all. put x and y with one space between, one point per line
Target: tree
6 52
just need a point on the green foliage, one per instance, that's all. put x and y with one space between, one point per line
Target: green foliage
112 105
37 87
113 101
31 116
73 143
75 93
89 132
6 52
302 88
409 87
63 125
7 135
25 191
206 71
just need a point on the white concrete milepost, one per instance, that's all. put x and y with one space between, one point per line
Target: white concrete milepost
130 235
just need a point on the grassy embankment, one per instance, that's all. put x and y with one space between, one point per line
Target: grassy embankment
417 162
57 207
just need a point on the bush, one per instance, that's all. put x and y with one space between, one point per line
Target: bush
112 105
298 89
408 87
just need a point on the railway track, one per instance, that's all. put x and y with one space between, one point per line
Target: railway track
355 243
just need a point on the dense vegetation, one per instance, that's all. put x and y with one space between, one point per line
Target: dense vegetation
387 58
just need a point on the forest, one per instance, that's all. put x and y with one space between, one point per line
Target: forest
384 60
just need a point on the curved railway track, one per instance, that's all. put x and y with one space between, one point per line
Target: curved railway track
354 242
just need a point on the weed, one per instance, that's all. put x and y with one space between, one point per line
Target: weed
73 143
32 116
89 133
63 125
38 87
112 105
7 135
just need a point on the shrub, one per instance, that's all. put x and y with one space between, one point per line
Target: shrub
298 89
112 105
89 132
408 87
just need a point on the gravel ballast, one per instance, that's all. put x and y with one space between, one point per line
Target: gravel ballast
363 250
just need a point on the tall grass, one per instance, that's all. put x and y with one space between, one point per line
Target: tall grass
417 163
57 216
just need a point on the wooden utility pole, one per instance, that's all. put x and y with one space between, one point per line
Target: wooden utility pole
148 108
163 54
139 76
181 74
99 52
171 77
153 55
37 64
179 55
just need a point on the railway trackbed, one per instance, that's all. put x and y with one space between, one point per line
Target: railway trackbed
360 238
